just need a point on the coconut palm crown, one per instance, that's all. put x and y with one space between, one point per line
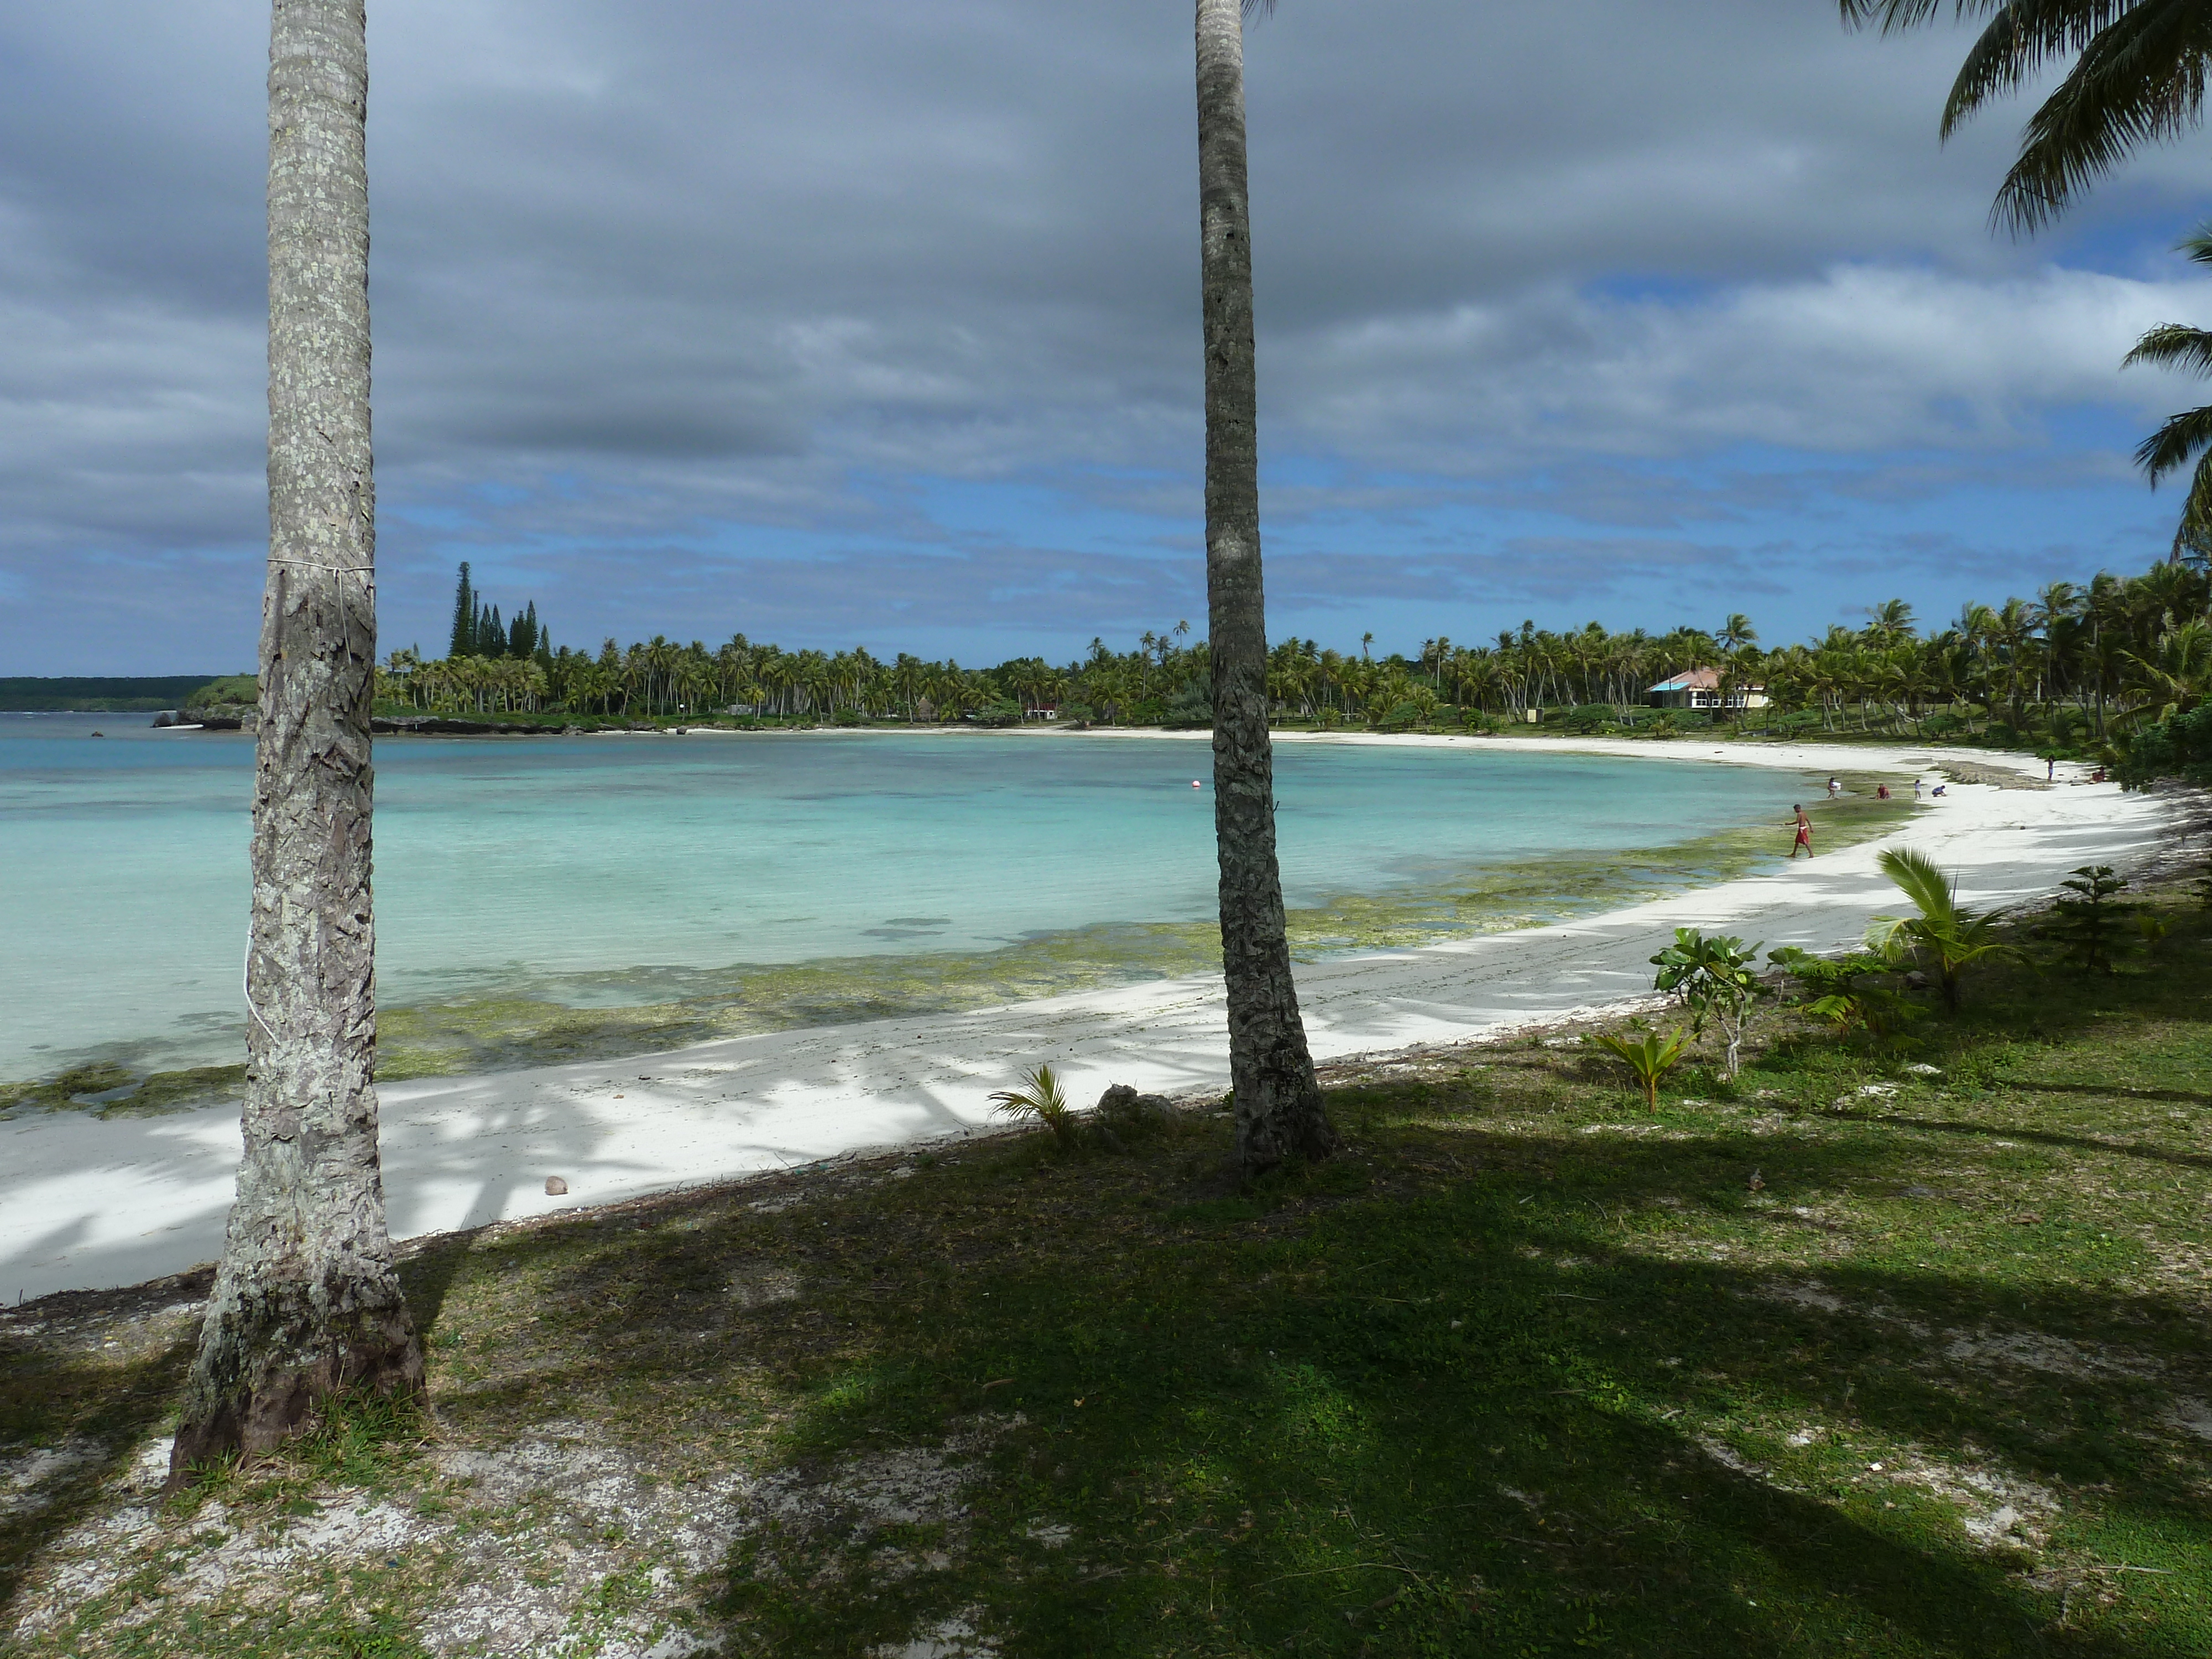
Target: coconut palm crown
2137 77
2186 437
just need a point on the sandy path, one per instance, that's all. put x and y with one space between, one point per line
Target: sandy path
87 1204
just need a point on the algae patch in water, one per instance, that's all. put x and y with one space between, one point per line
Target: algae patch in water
582 1016
471 1033
113 1090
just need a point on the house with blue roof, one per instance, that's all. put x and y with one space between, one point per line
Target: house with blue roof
1700 688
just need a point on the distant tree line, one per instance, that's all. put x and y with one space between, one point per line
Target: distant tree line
96 695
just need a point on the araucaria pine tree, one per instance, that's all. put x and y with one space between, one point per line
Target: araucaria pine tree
2088 923
463 642
307 1302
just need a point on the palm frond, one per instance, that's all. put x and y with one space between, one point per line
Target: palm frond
2198 246
2173 445
1885 936
2173 346
1916 873
1649 1059
2193 536
1041 1099
2139 80
1894 16
2023 37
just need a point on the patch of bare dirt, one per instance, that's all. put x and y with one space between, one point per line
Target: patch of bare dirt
1998 1510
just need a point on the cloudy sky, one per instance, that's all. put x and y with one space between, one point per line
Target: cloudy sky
877 323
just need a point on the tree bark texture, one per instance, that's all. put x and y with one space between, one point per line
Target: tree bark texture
1278 1105
307 1301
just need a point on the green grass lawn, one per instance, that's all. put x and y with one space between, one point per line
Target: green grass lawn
1844 1357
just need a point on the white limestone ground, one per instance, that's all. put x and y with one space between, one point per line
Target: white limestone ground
559 1544
87 1204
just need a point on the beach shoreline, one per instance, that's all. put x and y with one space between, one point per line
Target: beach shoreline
88 1203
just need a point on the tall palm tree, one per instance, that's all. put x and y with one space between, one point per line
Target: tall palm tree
305 1301
1890 621
1279 1113
2173 676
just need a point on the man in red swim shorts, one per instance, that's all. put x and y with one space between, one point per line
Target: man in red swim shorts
1804 834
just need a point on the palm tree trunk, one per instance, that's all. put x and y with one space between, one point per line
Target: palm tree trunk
1278 1106
307 1301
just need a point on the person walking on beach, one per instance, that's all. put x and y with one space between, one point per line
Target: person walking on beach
1835 788
1804 835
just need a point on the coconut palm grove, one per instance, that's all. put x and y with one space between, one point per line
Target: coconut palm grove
2112 670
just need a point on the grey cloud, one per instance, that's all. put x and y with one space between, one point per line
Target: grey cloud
996 601
680 274
1556 571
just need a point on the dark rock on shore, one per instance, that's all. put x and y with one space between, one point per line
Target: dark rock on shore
441 725
219 717
244 717
1125 1108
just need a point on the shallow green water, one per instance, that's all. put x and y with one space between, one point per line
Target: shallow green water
542 897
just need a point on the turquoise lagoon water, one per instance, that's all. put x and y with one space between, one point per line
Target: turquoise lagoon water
574 866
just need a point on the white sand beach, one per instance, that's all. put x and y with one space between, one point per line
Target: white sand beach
89 1204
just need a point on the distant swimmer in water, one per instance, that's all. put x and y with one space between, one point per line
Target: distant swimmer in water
1804 834
1195 784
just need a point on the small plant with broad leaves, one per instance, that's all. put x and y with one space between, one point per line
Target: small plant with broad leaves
1040 1100
1649 1054
1945 936
1849 992
2087 924
1716 982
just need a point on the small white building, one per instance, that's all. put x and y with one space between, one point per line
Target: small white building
1700 688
